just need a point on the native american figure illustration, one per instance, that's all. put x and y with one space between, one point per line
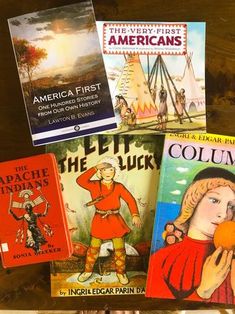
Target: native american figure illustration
34 235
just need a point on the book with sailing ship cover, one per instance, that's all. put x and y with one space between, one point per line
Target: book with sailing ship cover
62 73
109 187
194 231
156 75
33 225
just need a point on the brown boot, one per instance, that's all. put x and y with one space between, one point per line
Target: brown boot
120 265
91 257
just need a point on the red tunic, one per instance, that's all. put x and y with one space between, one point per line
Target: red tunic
111 226
175 272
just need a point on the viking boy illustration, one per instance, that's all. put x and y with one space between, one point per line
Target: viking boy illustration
107 223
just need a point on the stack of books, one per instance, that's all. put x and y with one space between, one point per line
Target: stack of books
132 195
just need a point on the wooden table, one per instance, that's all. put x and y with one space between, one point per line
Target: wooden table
29 287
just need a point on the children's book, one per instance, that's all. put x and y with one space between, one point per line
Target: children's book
192 253
156 75
62 73
33 225
109 187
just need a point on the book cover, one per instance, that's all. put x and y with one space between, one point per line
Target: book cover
33 225
109 187
156 75
62 73
194 231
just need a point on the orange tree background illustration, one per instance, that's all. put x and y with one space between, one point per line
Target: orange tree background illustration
29 58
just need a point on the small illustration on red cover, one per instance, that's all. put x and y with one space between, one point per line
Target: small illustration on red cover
31 228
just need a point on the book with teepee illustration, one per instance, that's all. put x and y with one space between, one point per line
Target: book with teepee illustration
156 74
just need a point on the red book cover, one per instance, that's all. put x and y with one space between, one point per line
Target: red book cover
33 225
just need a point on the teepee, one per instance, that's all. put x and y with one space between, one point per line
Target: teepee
195 97
133 86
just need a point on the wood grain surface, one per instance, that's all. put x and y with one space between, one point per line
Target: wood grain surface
29 287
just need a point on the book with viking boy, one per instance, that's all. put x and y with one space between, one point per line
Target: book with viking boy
62 74
193 246
33 224
156 75
109 187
